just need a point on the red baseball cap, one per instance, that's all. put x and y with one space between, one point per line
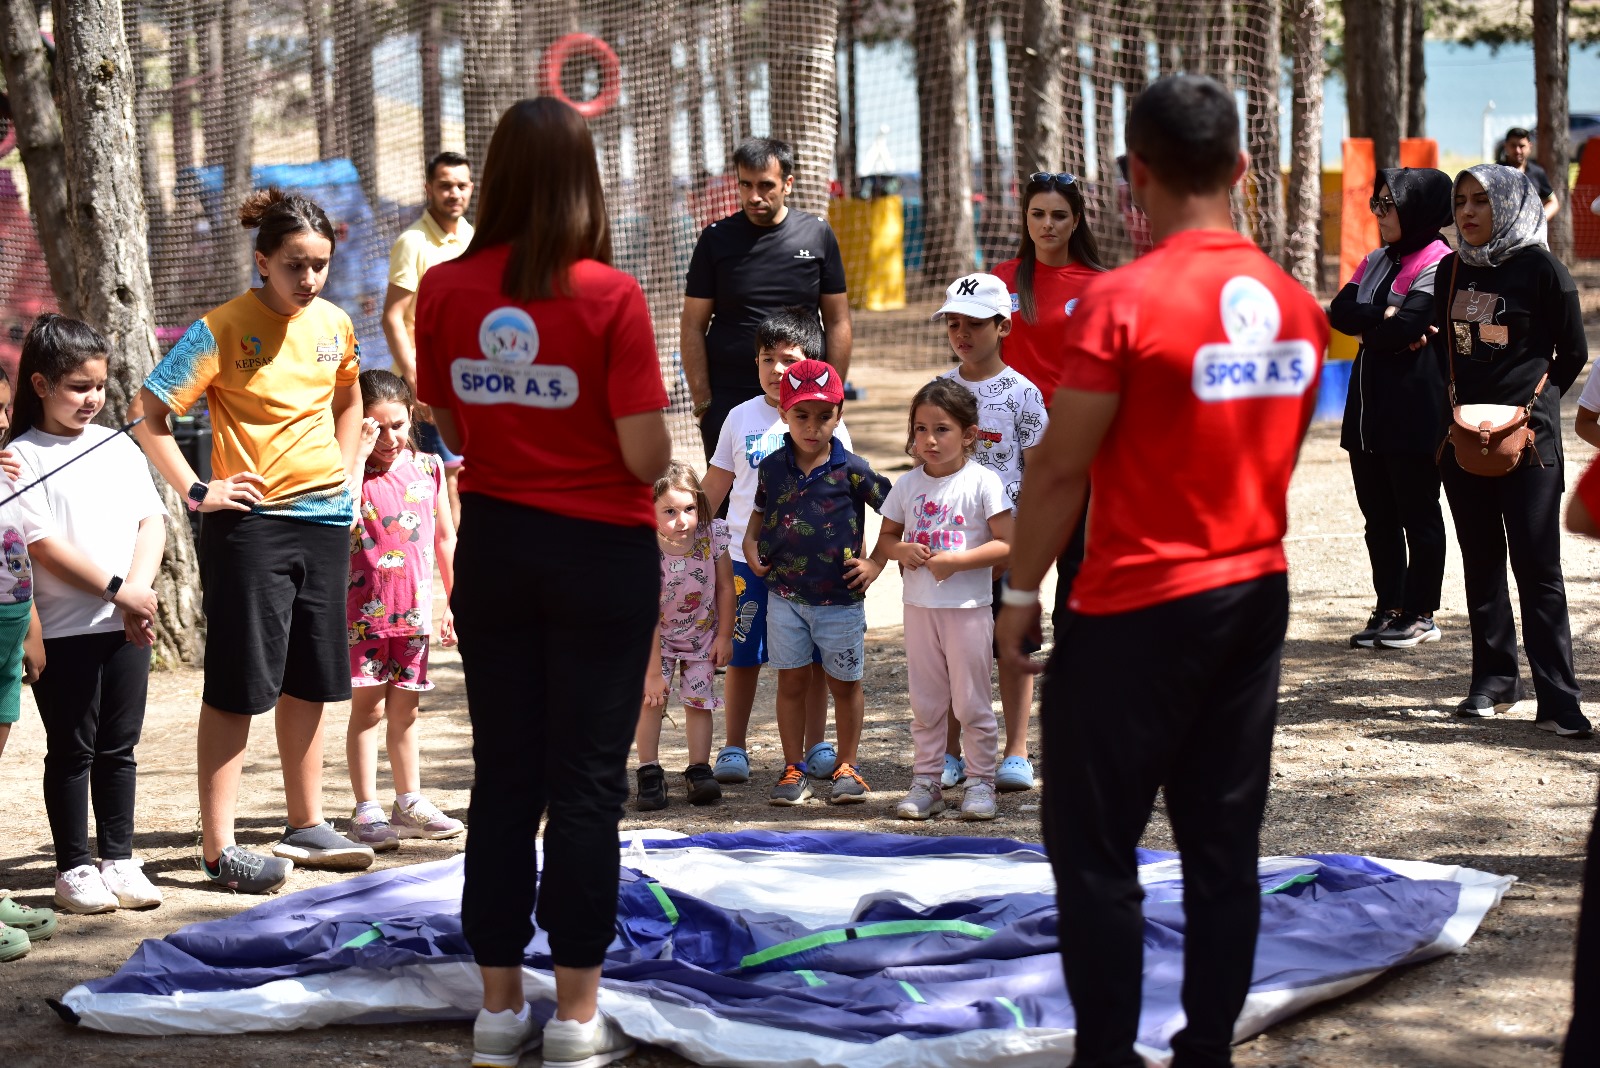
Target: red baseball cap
810 380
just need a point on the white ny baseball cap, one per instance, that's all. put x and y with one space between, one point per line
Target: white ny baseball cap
981 296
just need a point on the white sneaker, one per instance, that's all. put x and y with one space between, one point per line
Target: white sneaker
84 891
570 1044
126 879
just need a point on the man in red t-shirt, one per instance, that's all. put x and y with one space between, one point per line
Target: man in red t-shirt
1188 380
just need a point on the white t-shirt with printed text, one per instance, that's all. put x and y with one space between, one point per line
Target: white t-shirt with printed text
753 431
947 514
1011 417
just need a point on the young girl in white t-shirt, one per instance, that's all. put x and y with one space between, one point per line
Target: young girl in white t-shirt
948 523
95 530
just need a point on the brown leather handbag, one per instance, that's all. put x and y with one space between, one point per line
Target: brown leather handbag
1490 440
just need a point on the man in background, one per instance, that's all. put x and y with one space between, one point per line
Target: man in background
1518 155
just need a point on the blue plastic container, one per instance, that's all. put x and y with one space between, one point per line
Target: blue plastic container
1332 390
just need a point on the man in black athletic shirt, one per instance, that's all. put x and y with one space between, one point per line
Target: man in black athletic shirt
1517 153
745 268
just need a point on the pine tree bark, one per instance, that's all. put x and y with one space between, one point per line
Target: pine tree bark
430 37
316 15
802 63
1261 122
1303 225
489 71
180 71
1550 55
941 68
108 225
647 73
354 35
1044 44
38 127
997 223
230 98
1382 84
1416 96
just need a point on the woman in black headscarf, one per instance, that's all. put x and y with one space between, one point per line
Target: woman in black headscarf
1396 405
1507 316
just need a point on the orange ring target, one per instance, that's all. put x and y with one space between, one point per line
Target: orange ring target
589 47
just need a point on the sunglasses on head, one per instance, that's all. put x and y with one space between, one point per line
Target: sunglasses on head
1381 206
1045 177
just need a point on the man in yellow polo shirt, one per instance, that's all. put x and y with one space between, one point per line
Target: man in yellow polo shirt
440 235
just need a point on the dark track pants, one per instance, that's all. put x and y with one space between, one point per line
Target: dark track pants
1583 1035
1183 697
1399 498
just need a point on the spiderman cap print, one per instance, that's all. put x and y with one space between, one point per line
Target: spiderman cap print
810 380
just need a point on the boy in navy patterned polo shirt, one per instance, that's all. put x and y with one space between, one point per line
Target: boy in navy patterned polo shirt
805 538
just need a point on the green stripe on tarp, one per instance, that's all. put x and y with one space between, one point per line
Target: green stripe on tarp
911 992
1298 880
665 902
1015 1012
810 977
868 930
365 938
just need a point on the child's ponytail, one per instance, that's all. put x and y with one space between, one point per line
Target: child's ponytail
276 215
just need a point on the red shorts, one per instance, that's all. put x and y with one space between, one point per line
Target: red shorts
401 660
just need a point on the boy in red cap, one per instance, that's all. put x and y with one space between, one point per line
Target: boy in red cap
805 539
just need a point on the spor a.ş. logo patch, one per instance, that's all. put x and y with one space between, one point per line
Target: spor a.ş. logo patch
1253 362
509 371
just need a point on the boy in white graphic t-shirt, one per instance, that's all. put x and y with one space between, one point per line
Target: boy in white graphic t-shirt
750 433
1011 420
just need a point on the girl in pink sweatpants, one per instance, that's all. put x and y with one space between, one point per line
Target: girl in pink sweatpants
948 523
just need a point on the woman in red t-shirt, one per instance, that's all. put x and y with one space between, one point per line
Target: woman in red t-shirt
539 356
1057 258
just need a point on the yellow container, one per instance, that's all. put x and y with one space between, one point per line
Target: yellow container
871 236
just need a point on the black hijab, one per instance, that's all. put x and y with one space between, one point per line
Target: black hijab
1424 199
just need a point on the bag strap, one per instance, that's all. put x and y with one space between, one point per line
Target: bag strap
1450 338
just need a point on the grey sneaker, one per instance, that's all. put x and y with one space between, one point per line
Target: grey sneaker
792 787
848 786
421 819
499 1039
247 872
922 801
978 804
570 1044
321 846
1406 632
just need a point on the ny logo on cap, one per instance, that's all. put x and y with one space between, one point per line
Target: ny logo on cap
967 286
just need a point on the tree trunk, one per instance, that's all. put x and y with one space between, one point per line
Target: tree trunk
1132 69
730 85
354 34
849 128
1550 53
38 129
145 109
1401 104
1261 123
430 39
648 70
316 37
108 226
180 71
941 69
1303 245
1416 97
996 224
488 71
1102 192
1074 140
1219 46
1357 45
801 62
1380 83
236 146
1044 46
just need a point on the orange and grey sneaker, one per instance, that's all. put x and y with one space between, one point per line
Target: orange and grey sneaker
848 786
793 787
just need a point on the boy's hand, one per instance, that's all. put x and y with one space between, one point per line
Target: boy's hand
911 555
447 629
861 572
754 562
655 689
722 651
943 565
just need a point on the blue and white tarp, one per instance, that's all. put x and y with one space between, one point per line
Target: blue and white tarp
794 950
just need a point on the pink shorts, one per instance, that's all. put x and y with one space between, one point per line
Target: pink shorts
697 687
401 660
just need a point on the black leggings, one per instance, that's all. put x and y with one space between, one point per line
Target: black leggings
1399 499
554 645
91 698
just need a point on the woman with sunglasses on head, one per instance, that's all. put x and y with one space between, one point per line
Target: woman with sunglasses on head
1396 406
1508 327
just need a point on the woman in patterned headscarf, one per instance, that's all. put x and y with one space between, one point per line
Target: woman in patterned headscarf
1507 315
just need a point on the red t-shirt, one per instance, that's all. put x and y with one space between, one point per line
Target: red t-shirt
536 387
1034 349
1589 489
1215 352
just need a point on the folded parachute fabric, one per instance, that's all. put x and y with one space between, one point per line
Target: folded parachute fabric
797 949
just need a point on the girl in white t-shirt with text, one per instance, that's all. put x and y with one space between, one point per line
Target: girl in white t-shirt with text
948 523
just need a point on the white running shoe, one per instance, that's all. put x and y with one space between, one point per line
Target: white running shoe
570 1044
84 891
126 879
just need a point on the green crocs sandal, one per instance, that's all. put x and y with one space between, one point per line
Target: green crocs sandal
13 943
37 924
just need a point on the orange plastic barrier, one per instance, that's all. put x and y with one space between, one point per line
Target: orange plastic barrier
1585 224
1358 229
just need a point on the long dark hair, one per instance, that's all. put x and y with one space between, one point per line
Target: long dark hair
275 215
55 347
1081 245
540 193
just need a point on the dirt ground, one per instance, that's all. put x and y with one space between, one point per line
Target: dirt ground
1368 760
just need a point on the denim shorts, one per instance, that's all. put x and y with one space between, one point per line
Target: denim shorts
750 619
838 630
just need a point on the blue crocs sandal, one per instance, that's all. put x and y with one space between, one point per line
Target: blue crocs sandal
955 772
733 765
820 761
1014 773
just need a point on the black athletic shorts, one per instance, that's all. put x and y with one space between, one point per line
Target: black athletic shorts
274 592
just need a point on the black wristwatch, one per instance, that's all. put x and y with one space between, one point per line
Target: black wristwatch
111 588
197 495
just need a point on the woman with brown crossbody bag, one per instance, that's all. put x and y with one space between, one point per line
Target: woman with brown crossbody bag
1509 328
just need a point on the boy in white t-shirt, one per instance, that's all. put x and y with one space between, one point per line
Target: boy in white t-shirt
752 431
1587 421
1011 420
